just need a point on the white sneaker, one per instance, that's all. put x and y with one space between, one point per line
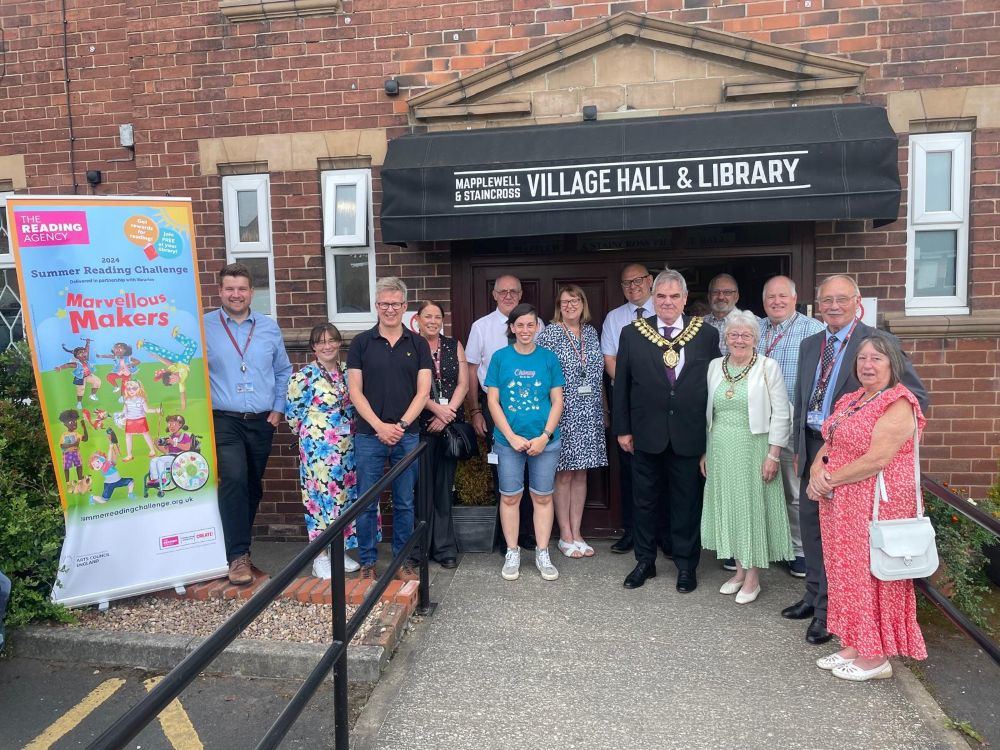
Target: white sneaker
511 564
544 565
321 567
350 565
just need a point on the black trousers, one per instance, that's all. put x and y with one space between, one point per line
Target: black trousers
526 510
667 484
242 447
812 540
442 480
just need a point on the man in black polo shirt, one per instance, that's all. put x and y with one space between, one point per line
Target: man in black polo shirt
389 377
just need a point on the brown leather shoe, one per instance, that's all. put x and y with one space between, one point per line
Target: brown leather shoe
408 572
368 573
240 571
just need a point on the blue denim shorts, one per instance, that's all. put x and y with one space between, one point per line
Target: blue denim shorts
541 469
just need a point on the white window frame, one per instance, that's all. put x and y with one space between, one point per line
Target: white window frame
6 259
956 220
237 250
362 241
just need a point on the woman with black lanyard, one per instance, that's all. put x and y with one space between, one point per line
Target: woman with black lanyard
576 344
449 384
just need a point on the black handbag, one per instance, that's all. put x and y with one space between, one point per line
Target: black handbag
460 441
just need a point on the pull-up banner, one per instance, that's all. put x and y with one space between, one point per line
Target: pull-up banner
796 164
112 312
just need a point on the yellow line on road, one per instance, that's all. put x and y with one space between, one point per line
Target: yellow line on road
75 715
176 724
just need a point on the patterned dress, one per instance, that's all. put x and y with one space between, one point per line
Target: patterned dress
875 617
744 517
320 413
582 424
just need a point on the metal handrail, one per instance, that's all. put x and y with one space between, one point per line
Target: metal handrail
133 721
939 600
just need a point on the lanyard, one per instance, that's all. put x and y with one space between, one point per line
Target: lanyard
335 378
581 353
824 376
770 348
853 408
246 347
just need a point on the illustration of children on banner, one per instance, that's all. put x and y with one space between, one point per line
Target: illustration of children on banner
69 443
136 409
124 367
178 363
83 373
107 465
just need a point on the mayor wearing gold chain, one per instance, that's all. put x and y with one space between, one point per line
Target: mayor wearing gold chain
659 416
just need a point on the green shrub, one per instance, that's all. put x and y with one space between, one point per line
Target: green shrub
474 481
31 518
960 543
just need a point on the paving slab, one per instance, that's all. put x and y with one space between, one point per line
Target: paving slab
584 663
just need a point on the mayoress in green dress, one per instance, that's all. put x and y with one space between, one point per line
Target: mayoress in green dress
749 420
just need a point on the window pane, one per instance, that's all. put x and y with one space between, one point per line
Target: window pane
351 276
261 284
934 275
246 206
346 209
938 182
11 321
4 239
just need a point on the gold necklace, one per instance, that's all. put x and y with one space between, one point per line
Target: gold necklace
734 379
671 357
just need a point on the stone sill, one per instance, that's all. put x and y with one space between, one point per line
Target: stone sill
976 325
268 10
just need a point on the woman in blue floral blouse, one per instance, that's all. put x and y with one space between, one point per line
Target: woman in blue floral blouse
320 413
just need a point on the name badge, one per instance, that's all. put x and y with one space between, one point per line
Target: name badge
443 401
815 419
585 389
492 458
244 387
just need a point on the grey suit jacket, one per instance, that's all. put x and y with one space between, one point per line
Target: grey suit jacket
809 354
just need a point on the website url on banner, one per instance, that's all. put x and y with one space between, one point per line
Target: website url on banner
136 508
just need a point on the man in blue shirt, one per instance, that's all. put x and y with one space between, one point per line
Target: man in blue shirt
248 372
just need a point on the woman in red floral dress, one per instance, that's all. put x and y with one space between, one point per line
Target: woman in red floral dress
869 430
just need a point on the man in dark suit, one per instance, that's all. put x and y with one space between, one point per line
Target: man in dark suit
659 416
826 373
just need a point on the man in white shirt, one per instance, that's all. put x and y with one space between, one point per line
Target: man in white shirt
637 285
488 336
723 294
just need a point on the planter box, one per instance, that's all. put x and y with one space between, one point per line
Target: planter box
475 527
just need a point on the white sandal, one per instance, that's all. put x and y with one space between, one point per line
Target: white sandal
568 548
832 661
854 673
585 548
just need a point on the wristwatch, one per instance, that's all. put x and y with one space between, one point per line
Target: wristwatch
547 434
403 423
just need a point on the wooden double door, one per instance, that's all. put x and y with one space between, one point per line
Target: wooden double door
544 264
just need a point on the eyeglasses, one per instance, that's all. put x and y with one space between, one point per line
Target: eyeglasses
636 282
569 303
722 293
840 301
327 342
507 292
740 336
385 306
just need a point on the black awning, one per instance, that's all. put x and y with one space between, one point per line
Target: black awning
794 164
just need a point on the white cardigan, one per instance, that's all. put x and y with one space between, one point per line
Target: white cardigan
770 411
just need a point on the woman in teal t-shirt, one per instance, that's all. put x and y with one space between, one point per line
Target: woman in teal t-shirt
524 390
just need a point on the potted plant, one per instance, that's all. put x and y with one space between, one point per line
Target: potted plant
475 510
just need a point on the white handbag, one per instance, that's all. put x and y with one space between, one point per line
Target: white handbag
903 548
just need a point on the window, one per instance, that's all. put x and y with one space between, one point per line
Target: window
246 201
937 233
348 236
11 321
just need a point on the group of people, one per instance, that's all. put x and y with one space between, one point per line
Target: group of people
703 439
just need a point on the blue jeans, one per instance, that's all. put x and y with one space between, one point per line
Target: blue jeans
370 455
541 469
4 596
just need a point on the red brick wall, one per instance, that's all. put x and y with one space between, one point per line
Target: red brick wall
179 72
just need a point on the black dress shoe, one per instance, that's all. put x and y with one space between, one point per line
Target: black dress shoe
798 611
625 544
639 574
448 562
686 581
816 633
